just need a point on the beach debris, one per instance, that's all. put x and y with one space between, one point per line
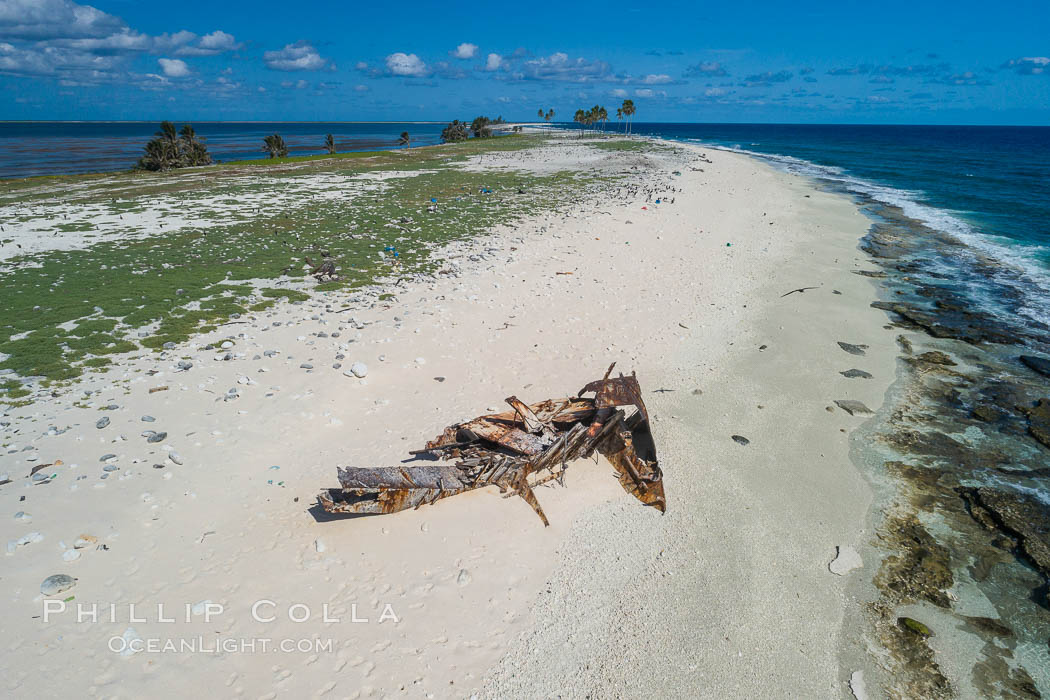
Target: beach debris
914 626
516 451
740 440
323 269
856 374
57 583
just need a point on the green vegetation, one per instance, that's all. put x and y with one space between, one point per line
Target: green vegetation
67 311
274 145
455 132
480 127
167 151
329 144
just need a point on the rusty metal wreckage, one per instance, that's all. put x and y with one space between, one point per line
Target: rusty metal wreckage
518 450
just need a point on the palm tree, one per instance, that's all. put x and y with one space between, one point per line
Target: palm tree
619 113
275 146
580 118
628 111
193 152
171 149
603 115
329 144
405 140
540 113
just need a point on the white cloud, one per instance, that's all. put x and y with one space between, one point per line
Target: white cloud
361 88
660 79
465 51
714 92
54 19
558 66
298 56
80 45
406 64
1030 65
210 44
493 62
619 92
173 67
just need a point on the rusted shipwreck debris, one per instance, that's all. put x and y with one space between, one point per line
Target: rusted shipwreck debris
518 450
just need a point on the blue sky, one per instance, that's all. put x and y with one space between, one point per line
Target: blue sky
850 62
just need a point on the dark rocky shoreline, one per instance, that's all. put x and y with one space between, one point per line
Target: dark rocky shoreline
966 445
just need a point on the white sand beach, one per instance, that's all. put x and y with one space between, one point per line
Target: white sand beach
728 594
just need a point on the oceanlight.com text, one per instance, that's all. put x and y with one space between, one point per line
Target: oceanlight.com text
126 645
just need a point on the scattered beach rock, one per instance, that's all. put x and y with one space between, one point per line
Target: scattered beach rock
57 583
1020 516
148 419
319 546
102 422
1039 421
852 407
936 357
846 560
175 457
157 437
857 686
358 369
463 578
856 374
740 440
1038 364
853 349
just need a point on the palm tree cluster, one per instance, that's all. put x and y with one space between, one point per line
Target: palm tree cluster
274 145
480 127
456 131
592 116
545 116
169 149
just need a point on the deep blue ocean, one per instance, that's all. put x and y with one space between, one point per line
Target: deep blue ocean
52 148
988 186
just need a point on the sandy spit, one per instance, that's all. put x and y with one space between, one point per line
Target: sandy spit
727 595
